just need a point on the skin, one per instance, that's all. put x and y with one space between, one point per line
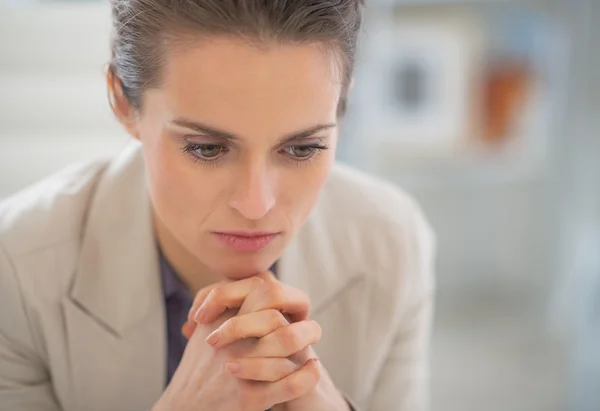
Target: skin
239 137
260 96
266 308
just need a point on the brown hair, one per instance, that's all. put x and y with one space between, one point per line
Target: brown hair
143 28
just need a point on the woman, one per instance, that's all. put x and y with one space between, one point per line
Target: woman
230 195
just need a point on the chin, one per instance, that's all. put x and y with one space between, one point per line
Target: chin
239 267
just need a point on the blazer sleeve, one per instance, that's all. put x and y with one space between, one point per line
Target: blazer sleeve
24 379
403 382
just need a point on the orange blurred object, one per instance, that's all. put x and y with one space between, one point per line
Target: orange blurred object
505 91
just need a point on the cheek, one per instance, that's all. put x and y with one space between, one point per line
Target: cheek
165 181
303 186
178 189
169 182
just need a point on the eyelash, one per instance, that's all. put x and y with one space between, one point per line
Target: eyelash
190 148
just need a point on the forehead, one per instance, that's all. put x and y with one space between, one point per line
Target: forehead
231 83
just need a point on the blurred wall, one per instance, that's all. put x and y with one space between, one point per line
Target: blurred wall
53 109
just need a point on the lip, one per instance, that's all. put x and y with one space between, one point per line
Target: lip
245 241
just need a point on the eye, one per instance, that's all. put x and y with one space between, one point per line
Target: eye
209 150
205 151
300 151
304 152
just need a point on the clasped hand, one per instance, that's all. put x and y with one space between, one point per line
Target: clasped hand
250 349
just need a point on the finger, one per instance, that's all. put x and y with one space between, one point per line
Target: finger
188 329
262 369
268 276
256 325
296 384
224 297
278 296
199 299
302 356
288 340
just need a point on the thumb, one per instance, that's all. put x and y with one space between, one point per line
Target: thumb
188 329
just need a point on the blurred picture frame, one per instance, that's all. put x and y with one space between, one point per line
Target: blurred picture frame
423 99
458 90
432 67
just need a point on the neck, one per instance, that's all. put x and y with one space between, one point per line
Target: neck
192 273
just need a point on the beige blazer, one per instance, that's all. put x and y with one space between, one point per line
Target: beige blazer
82 321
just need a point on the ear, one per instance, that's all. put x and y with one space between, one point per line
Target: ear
121 107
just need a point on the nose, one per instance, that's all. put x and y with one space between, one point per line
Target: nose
253 196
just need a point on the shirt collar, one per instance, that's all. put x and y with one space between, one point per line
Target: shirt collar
172 285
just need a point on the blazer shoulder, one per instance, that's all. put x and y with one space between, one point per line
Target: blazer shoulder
378 227
51 211
362 199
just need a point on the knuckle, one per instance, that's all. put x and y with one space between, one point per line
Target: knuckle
267 276
271 371
304 297
279 369
230 328
276 319
275 292
256 281
288 339
287 366
315 376
293 388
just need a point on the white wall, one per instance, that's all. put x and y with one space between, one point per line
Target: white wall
53 105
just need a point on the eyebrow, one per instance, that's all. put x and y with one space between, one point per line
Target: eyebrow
214 132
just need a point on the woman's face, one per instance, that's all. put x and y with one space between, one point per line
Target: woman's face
239 141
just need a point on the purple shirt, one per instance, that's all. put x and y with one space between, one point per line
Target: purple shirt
178 302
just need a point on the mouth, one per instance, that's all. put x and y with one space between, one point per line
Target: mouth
245 241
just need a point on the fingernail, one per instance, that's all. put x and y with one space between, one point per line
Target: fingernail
233 366
200 315
191 314
213 338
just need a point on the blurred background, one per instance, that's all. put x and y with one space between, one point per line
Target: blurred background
487 111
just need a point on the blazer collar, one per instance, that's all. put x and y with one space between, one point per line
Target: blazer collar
318 261
117 278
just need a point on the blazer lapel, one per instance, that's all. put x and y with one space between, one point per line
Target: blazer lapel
312 263
318 262
115 314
